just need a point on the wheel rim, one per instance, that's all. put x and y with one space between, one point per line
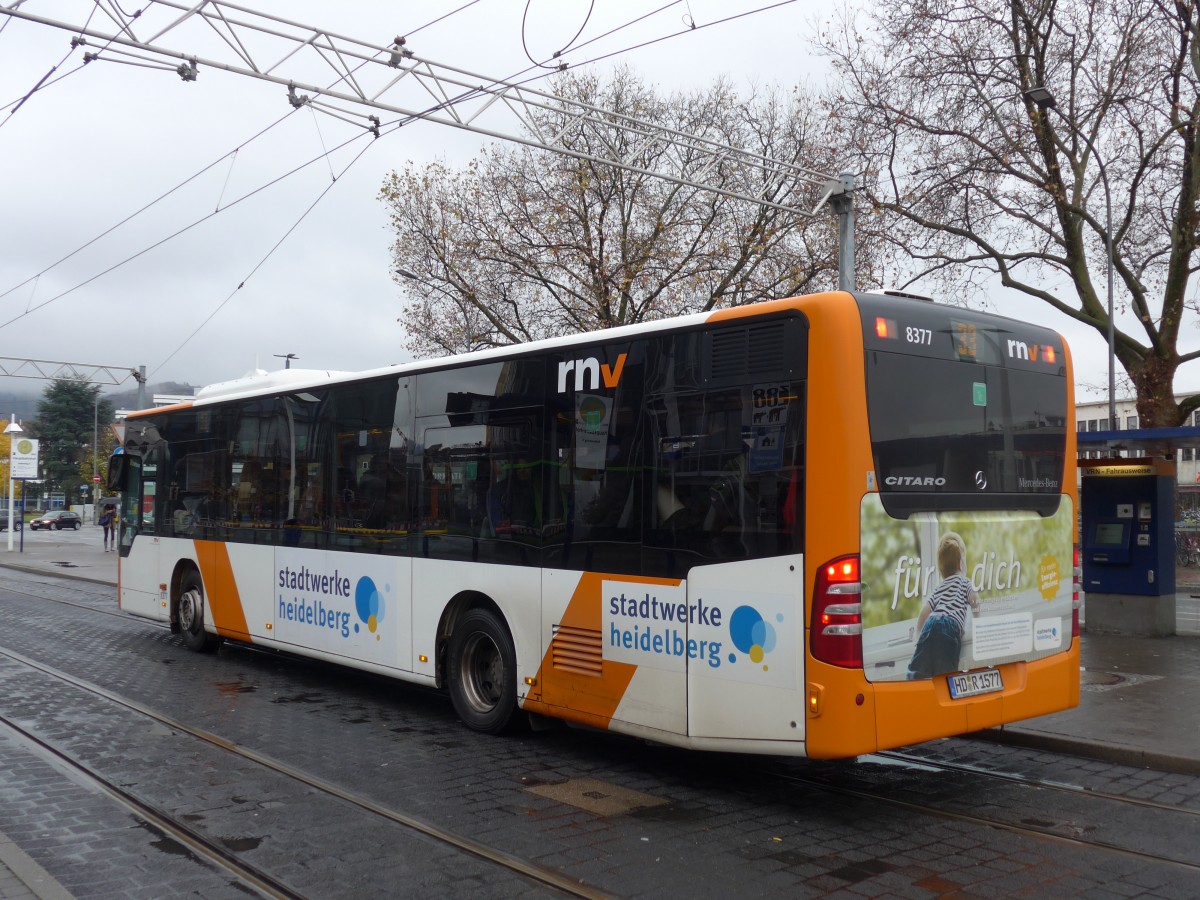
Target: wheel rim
482 673
189 610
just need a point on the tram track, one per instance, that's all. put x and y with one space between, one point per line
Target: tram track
1013 778
118 613
209 850
1037 827
1041 831
215 852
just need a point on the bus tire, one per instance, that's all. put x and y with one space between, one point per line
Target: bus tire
482 673
191 615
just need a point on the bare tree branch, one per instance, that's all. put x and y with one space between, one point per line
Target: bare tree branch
970 176
523 243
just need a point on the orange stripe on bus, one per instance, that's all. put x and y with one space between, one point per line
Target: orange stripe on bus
220 589
586 698
155 410
755 310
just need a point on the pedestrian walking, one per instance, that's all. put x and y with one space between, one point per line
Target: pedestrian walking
108 521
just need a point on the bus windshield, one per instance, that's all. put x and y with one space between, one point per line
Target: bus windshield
952 418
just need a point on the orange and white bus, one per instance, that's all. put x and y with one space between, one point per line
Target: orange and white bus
818 526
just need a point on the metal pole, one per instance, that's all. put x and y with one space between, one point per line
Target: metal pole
843 203
11 432
95 452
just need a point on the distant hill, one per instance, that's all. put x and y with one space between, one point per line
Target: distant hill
128 399
20 396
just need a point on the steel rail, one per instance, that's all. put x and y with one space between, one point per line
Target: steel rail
540 874
1028 830
206 849
1027 781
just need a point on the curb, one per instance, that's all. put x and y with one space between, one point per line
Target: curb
1135 757
55 573
26 870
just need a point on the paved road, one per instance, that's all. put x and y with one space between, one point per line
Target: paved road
624 817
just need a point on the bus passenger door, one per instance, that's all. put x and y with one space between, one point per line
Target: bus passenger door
746 649
137 544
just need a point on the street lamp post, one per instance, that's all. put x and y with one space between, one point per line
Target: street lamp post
1043 99
11 429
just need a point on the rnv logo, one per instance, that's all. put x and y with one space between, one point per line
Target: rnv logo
589 373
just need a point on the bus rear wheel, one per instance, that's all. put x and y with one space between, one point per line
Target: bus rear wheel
482 673
191 615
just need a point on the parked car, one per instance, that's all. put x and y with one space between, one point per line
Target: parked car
57 518
17 522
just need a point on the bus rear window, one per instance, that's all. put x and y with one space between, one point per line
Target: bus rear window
947 426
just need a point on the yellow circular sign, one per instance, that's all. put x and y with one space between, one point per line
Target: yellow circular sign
25 446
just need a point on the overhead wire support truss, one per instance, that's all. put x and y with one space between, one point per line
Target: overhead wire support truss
50 370
372 75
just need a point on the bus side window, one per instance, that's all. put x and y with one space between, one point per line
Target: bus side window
597 483
729 470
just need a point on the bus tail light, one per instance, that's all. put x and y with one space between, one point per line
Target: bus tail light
1076 581
836 635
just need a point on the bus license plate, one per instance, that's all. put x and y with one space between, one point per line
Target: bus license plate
972 683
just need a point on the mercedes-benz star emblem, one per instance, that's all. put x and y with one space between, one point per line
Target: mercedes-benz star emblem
980 480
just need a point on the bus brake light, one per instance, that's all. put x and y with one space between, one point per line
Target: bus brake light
836 633
885 328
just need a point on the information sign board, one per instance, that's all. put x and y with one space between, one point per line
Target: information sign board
24 458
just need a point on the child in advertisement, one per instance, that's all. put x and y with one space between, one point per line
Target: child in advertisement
944 613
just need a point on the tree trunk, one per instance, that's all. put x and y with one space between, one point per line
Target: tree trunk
1153 380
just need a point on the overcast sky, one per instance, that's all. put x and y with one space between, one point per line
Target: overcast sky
86 152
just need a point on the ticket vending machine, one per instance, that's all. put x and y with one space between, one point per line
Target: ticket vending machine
1128 542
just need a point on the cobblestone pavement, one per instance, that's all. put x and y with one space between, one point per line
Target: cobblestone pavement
680 823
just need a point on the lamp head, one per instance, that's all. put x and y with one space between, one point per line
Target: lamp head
1040 97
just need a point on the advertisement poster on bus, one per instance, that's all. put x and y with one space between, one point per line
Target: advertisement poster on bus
955 591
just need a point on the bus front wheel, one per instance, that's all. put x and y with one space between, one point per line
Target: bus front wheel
191 615
482 674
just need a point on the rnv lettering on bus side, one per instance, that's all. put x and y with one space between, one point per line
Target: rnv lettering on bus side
589 372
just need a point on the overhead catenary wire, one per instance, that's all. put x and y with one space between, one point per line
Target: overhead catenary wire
176 234
452 12
41 84
266 256
557 53
631 22
148 206
689 30
233 153
443 104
